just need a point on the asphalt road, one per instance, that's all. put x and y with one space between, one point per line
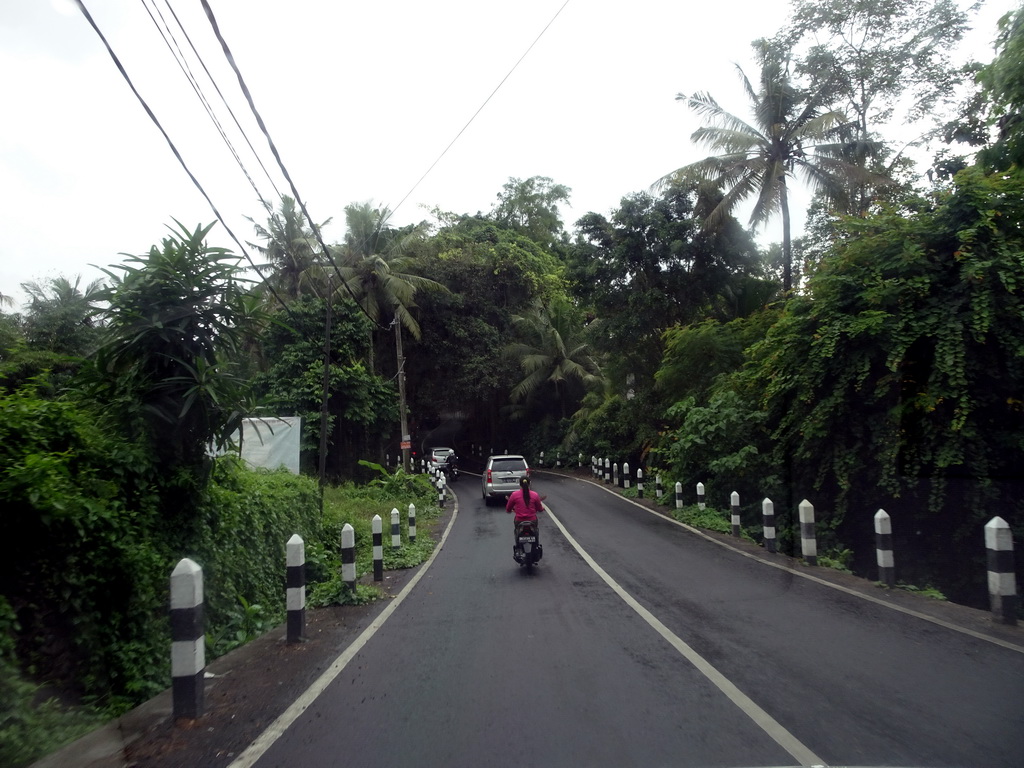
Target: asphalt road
673 652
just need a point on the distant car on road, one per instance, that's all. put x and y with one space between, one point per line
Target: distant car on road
437 457
501 476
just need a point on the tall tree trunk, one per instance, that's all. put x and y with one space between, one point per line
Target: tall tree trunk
787 245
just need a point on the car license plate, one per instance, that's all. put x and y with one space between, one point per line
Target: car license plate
528 539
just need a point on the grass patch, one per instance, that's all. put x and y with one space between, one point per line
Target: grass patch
707 518
357 505
837 559
926 591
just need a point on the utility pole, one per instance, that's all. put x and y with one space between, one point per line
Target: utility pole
327 383
406 438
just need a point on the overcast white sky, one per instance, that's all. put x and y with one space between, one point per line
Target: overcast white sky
360 98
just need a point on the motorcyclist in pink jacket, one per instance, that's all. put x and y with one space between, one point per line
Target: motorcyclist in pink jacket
526 504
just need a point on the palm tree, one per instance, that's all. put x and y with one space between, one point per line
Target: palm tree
375 267
375 271
60 314
791 136
553 354
290 247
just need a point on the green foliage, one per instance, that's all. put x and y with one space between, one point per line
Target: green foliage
909 350
247 517
653 265
709 519
292 383
60 317
85 576
336 592
531 208
839 560
927 591
695 355
1003 87
614 426
558 366
873 57
29 730
724 445
793 135
895 381
356 505
492 274
176 315
241 625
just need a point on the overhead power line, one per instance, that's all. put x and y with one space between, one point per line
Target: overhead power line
174 149
165 31
277 156
480 108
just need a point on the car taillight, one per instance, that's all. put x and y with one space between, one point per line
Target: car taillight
528 471
488 475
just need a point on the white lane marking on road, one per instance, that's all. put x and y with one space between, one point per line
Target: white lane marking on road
782 567
767 723
274 731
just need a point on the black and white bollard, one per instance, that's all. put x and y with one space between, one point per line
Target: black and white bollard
378 548
295 588
640 482
808 537
412 523
396 529
659 490
768 523
883 548
188 647
679 495
348 556
440 492
558 460
700 495
625 475
1002 583
734 501
607 470
615 474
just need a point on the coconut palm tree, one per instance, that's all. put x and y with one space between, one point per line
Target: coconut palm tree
552 353
60 315
376 273
290 247
791 136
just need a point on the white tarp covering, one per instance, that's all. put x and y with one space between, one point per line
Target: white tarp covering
271 442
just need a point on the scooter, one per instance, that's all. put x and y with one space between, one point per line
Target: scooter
451 471
528 550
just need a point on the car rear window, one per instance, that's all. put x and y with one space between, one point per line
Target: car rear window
508 465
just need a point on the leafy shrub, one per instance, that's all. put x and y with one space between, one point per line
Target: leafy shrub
244 523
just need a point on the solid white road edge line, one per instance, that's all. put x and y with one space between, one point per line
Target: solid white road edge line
788 569
274 731
767 723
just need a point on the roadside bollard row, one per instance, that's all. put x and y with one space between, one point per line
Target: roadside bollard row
188 644
1002 586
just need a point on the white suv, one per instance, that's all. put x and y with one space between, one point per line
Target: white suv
501 476
437 458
